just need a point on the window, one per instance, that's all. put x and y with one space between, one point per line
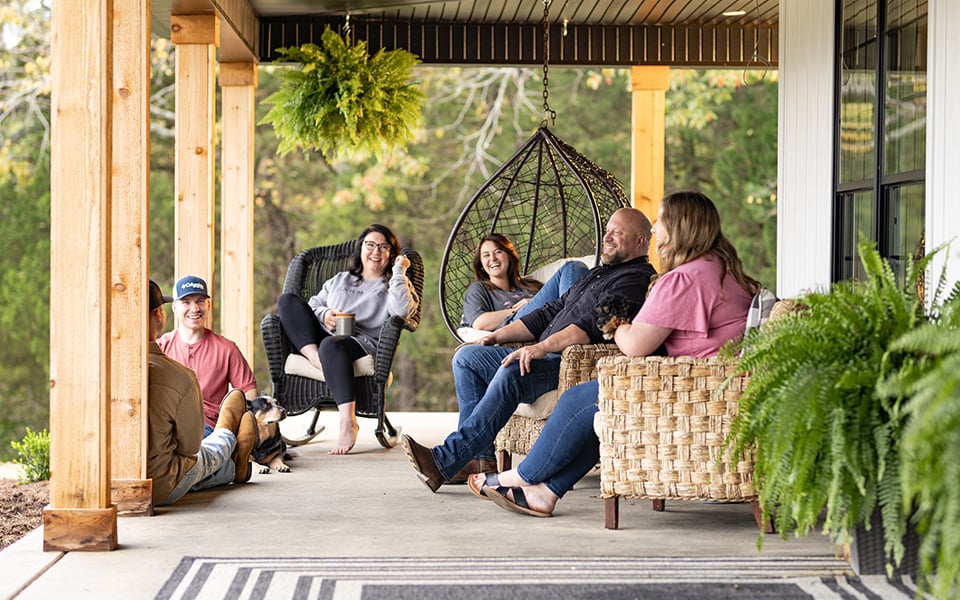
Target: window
881 137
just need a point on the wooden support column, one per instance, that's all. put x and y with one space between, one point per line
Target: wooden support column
648 87
196 38
132 491
238 81
80 515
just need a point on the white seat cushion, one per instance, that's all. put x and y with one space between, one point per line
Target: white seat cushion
469 334
547 271
298 365
541 408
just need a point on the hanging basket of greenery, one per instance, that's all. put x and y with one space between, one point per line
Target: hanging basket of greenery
342 99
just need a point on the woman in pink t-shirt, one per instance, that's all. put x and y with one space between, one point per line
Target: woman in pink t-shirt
697 305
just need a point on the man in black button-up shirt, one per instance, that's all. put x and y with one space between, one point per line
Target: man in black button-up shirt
492 380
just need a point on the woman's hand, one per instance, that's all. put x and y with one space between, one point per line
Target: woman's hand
330 319
520 304
402 261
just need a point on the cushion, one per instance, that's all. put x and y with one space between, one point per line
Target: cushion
539 409
549 270
297 364
469 334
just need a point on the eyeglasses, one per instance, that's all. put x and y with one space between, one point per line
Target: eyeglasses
371 246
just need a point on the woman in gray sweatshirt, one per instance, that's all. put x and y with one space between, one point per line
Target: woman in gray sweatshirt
375 288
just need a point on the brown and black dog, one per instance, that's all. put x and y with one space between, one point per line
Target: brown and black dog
270 450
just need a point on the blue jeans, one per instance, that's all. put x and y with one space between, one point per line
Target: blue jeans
567 447
556 286
488 394
214 466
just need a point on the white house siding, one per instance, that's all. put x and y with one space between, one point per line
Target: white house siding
943 135
805 145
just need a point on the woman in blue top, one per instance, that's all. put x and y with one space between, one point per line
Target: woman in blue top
369 291
500 295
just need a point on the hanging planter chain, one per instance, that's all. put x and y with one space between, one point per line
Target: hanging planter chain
547 111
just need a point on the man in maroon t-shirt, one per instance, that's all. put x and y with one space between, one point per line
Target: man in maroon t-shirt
217 361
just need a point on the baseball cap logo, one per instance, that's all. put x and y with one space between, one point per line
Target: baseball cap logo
191 284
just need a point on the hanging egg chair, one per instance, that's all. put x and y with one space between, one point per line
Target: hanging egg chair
549 199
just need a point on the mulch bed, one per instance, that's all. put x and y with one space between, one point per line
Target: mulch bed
21 508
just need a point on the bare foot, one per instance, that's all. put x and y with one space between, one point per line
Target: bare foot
539 497
347 439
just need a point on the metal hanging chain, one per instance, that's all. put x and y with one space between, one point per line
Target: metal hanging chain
546 66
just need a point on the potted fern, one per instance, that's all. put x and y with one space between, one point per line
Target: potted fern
342 99
827 443
930 447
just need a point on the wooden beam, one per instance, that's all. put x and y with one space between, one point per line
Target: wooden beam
129 265
196 38
648 87
238 82
80 516
442 42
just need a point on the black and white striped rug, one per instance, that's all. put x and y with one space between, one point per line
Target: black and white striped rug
527 578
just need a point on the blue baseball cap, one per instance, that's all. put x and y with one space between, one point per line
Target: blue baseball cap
189 285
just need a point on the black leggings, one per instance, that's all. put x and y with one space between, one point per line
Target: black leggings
337 352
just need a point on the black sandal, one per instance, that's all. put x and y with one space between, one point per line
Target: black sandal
491 480
517 505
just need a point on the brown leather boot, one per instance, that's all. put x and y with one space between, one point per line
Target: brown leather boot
232 409
246 440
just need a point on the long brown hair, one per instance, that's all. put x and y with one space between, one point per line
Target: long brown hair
693 230
513 264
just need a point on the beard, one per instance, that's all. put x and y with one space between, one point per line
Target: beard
614 258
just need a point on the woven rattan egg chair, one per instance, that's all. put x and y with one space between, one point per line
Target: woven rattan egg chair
553 203
549 199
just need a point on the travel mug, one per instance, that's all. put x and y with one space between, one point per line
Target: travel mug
345 323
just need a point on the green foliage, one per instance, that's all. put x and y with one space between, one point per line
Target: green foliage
824 437
33 453
24 302
930 448
342 99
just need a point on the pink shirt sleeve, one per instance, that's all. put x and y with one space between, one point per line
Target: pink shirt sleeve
677 302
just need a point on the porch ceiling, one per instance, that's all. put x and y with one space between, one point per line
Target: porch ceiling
503 32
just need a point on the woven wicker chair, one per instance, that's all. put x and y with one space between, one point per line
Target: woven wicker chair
578 364
662 425
297 393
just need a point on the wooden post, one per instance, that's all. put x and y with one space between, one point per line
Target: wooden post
196 38
648 86
132 491
80 515
238 81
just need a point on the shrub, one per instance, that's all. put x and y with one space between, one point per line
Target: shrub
34 455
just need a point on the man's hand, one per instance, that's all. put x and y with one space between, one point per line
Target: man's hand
524 356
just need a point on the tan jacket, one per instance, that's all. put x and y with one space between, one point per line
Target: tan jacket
175 422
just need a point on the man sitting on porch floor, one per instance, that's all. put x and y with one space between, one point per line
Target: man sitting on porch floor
179 458
492 380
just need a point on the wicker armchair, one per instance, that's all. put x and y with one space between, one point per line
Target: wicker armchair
662 425
578 364
298 393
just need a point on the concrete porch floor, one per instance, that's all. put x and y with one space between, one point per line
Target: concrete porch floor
371 504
